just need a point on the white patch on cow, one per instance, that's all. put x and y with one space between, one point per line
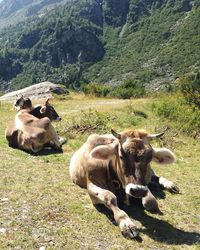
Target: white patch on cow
163 156
62 140
166 183
132 186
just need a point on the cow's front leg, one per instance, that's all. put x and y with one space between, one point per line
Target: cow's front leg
150 203
165 183
99 195
54 139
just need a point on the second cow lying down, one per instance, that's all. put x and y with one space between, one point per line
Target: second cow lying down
106 163
31 129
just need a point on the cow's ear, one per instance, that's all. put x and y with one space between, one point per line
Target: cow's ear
43 109
104 152
163 156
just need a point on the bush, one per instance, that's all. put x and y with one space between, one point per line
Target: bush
185 117
190 88
95 89
129 88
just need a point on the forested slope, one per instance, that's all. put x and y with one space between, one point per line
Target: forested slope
151 41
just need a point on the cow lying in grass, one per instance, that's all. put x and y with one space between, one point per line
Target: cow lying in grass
39 111
31 129
106 163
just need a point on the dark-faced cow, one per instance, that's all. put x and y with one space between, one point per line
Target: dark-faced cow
39 111
106 163
31 129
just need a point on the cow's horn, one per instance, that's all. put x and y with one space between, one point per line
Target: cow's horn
115 134
19 95
154 136
47 101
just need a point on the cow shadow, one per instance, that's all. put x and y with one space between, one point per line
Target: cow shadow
157 229
161 230
46 151
43 152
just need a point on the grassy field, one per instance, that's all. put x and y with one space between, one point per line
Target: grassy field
40 208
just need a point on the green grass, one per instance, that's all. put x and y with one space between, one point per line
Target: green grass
40 206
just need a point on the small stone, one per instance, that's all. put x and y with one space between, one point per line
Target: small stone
51 243
42 248
2 230
4 199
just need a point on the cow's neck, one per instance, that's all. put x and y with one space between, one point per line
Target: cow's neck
116 170
36 112
27 110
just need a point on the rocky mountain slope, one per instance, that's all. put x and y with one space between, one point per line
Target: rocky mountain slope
12 11
106 41
36 91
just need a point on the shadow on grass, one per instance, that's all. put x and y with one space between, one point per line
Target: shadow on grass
161 230
157 229
47 151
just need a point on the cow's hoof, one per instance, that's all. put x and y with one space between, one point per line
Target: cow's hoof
131 233
174 189
60 150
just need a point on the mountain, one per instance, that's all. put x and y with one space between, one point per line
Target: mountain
151 42
12 11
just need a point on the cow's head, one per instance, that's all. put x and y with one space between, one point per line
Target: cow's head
22 103
131 154
47 110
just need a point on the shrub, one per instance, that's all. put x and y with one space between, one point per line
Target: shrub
95 89
185 117
129 88
190 88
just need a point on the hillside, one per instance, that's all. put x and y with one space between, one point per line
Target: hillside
151 42
13 11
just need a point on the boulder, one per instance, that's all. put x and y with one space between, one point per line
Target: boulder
36 91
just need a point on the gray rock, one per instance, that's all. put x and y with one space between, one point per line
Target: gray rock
36 91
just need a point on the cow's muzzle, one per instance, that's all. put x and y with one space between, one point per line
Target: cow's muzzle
137 191
58 119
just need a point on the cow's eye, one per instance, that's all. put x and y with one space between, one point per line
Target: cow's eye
121 157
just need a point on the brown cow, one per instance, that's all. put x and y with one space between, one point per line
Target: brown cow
106 163
30 133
